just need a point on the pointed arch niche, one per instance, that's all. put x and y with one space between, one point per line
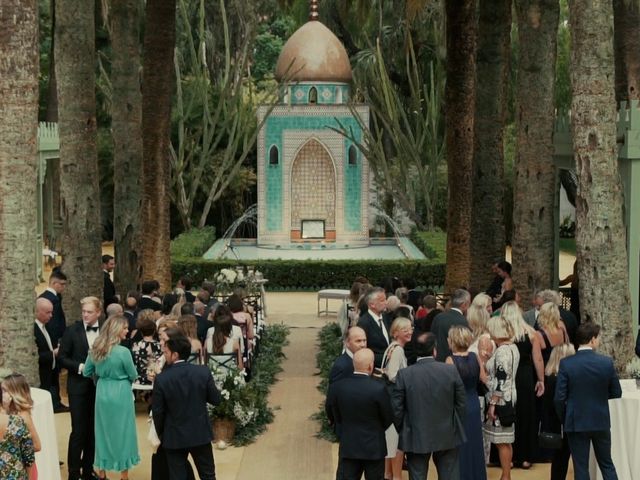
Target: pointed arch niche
313 194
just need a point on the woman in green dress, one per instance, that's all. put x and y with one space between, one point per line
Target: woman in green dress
115 422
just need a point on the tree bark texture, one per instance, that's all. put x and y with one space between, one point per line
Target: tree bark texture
459 108
157 87
487 240
51 115
626 42
534 187
81 226
600 231
19 67
127 140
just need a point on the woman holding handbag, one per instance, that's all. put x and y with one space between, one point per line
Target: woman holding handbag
501 398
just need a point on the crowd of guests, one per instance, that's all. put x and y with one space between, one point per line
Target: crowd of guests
471 382
141 339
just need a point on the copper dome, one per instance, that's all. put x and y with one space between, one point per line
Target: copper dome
314 54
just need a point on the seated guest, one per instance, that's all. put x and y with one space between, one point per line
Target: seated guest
221 338
185 283
148 293
203 325
169 301
189 326
211 300
343 365
147 351
241 318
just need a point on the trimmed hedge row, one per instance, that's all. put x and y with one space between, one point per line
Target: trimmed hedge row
316 274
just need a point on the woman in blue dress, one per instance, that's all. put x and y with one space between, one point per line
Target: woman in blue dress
471 453
115 422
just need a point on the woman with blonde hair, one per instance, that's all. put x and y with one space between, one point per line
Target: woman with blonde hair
552 331
17 461
189 326
550 421
501 372
529 384
116 446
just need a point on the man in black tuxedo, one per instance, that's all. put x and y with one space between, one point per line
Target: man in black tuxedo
429 408
460 301
56 328
343 366
375 324
108 264
75 345
362 407
180 397
148 290
186 284
586 382
47 352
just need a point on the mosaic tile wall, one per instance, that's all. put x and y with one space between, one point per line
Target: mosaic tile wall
313 187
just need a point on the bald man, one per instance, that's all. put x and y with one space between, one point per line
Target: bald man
343 366
362 408
47 352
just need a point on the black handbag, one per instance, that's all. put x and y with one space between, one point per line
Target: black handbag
550 440
506 414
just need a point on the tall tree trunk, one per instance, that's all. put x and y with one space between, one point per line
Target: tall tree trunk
18 154
127 140
626 42
534 185
81 228
459 107
51 114
600 231
487 241
157 86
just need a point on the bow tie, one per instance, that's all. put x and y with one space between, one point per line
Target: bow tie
91 329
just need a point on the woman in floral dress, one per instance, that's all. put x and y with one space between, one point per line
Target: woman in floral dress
16 447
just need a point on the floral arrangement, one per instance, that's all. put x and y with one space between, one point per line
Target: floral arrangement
238 399
633 368
228 280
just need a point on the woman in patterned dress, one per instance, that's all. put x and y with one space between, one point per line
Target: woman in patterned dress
17 455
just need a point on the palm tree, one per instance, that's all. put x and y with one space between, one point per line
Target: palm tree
157 87
487 240
18 132
626 42
600 231
534 170
127 142
81 228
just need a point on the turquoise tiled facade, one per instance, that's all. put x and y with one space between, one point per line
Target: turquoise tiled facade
326 93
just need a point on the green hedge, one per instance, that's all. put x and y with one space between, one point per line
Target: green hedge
433 244
193 243
303 275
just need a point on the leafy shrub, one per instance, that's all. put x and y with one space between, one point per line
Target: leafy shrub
433 244
301 275
193 243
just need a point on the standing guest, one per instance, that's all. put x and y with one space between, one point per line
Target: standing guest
74 348
496 284
343 365
374 324
108 264
361 406
148 291
460 301
586 382
131 312
422 324
56 328
147 351
501 372
415 295
16 445
394 360
551 330
504 271
429 405
568 318
179 405
531 315
198 312
471 455
114 309
403 295
348 313
478 315
47 353
550 421
111 365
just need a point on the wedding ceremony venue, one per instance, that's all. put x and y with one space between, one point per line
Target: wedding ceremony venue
318 239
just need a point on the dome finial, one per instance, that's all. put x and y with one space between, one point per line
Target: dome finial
313 10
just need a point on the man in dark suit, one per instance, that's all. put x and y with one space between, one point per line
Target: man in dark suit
343 366
148 290
374 324
586 382
108 264
362 407
75 345
429 409
186 284
460 301
47 353
180 397
56 328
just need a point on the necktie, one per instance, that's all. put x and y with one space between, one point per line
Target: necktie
384 330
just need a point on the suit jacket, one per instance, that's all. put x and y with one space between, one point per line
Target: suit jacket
571 323
109 290
74 349
362 407
189 297
149 303
180 397
530 317
342 368
203 326
586 382
429 407
375 338
440 328
45 357
58 324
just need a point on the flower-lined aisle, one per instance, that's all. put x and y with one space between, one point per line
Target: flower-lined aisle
329 348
